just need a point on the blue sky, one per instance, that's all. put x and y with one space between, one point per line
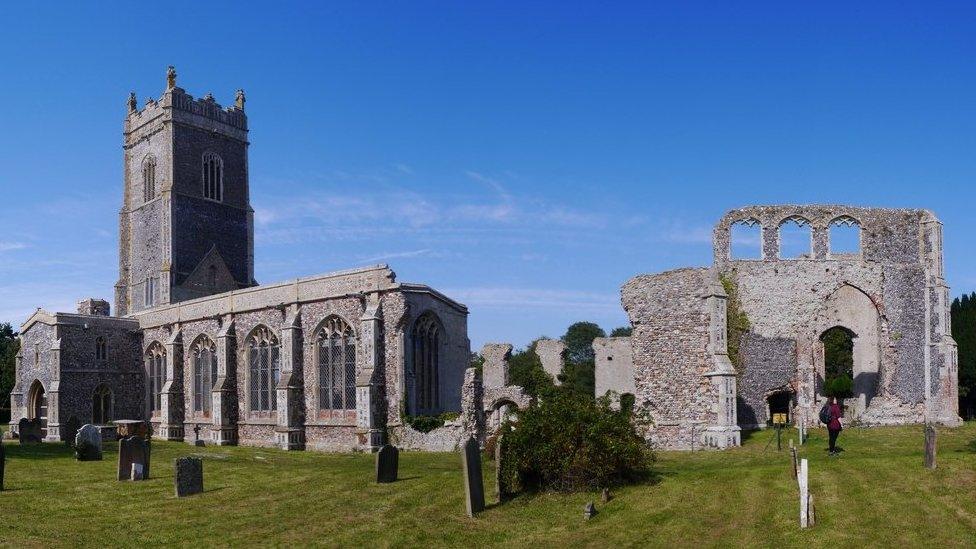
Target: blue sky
524 158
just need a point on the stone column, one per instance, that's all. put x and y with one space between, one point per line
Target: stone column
54 394
369 379
224 429
17 408
289 430
171 396
770 240
821 246
722 430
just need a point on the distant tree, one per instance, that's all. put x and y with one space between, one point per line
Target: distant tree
838 362
623 331
963 312
525 370
580 367
9 346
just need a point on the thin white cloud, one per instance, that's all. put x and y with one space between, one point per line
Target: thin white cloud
10 246
396 255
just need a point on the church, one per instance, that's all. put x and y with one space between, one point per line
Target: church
202 351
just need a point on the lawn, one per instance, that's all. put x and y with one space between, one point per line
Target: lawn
876 493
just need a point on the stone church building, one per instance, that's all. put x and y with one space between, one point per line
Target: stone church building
201 350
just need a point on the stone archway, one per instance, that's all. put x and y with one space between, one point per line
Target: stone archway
500 411
856 314
37 406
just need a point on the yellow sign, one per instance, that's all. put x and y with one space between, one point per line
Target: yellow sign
779 419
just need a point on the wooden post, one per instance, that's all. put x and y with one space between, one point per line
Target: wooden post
793 458
930 439
811 512
804 494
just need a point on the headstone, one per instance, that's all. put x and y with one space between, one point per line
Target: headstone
474 486
189 476
133 451
589 510
3 460
930 440
29 430
387 464
88 443
197 441
802 480
69 430
605 495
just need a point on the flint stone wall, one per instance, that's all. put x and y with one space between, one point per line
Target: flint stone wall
614 366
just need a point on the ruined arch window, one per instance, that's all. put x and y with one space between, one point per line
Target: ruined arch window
101 349
264 369
204 354
426 337
102 405
148 179
845 236
838 348
336 365
213 177
745 239
795 238
156 373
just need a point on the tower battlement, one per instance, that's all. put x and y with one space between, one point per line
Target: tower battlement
185 106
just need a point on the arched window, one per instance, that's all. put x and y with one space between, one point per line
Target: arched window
149 297
102 405
204 354
845 236
795 238
264 369
337 365
426 362
745 239
148 179
156 372
213 177
101 350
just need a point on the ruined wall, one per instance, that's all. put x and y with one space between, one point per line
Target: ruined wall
552 354
614 366
768 364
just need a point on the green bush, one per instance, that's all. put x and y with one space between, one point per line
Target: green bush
567 442
841 386
426 424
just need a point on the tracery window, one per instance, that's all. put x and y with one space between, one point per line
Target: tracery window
156 372
426 337
337 365
148 179
795 238
745 239
264 369
204 354
213 177
149 297
102 405
101 350
845 235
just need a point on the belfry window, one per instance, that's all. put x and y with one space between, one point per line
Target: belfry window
264 369
101 350
213 177
149 179
337 365
149 299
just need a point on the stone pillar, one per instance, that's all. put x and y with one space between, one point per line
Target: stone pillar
722 430
770 240
224 429
821 245
369 379
171 396
551 353
289 430
495 368
54 395
17 408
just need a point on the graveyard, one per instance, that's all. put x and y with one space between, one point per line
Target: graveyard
877 492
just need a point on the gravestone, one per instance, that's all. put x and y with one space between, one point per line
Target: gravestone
605 495
70 430
134 453
88 443
930 440
589 510
474 486
197 441
3 460
387 464
29 430
189 476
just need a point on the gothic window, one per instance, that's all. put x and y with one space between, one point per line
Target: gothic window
213 177
150 292
745 239
156 372
102 405
149 179
337 365
204 374
264 369
101 351
426 338
845 236
795 238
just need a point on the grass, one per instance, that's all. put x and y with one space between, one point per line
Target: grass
876 493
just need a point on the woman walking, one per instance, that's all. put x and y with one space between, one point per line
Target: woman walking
834 426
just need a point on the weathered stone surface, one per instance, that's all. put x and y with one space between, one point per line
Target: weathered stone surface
495 367
188 476
614 366
474 488
29 431
88 443
552 353
134 458
387 464
930 446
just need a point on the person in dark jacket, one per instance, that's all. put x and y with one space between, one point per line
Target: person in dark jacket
834 426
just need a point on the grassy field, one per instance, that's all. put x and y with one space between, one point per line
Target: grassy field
876 493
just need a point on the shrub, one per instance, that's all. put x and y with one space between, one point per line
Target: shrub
568 442
426 424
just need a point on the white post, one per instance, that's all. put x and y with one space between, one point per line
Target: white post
804 492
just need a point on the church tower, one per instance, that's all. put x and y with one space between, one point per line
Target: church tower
186 227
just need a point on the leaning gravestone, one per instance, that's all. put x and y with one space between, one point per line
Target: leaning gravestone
474 486
930 441
29 430
189 476
387 464
88 443
134 455
69 431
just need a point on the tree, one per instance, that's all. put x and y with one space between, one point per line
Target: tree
525 370
580 367
963 312
9 346
623 331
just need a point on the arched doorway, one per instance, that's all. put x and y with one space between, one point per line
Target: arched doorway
838 345
779 402
849 357
500 412
37 406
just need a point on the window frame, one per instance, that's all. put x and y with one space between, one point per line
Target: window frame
212 176
263 358
336 357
